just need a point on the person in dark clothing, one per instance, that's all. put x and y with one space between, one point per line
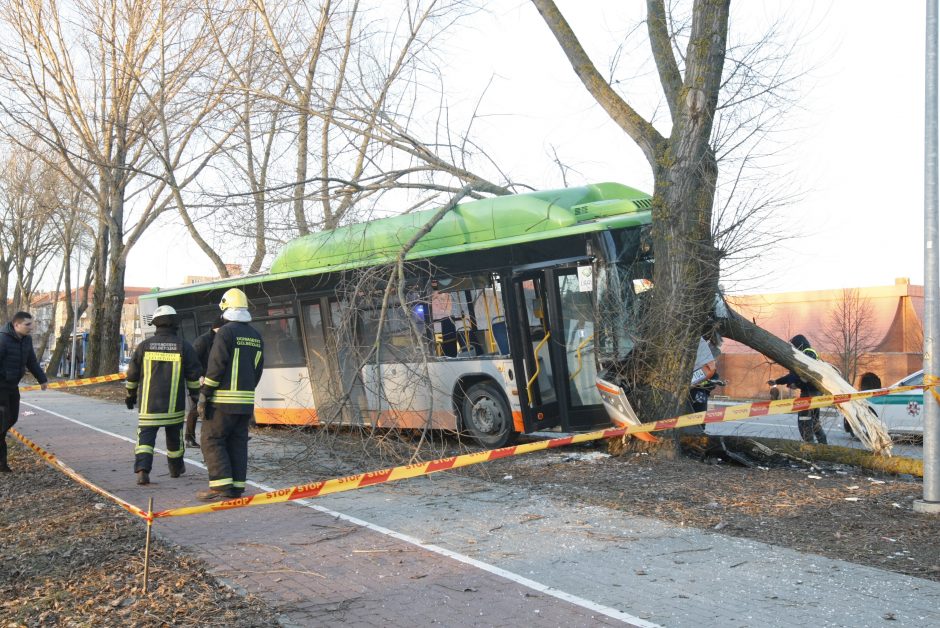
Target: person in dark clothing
227 398
705 377
16 356
202 345
807 420
700 392
163 367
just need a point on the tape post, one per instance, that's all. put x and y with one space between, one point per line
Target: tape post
338 485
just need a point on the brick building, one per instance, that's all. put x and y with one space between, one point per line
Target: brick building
49 313
892 328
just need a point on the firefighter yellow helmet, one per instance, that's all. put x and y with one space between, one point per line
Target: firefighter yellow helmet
233 297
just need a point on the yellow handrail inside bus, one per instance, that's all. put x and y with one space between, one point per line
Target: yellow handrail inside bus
489 326
538 367
466 331
578 353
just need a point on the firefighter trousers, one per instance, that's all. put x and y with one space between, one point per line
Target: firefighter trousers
191 417
147 439
224 440
810 427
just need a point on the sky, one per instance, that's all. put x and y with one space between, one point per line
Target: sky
852 144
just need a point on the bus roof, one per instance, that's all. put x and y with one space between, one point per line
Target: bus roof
477 225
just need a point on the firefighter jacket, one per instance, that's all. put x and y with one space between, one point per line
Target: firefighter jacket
807 389
203 344
235 366
164 366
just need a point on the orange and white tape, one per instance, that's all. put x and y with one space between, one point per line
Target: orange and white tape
353 482
72 383
64 468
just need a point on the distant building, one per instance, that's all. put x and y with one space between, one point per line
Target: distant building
893 329
48 312
234 270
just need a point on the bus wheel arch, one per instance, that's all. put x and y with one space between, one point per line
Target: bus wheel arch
484 412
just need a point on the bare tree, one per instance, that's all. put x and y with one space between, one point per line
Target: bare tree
83 78
849 333
323 99
690 57
28 205
685 168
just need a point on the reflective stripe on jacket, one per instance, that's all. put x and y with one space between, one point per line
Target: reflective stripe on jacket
235 365
164 366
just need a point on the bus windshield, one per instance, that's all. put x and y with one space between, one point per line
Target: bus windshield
624 269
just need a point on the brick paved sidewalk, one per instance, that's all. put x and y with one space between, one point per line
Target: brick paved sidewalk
315 569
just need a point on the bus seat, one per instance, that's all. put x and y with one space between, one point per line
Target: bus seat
448 337
501 336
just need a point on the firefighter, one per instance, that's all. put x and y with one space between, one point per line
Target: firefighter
227 398
202 344
163 367
806 420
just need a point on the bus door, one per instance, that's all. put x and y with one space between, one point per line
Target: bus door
553 323
571 312
346 345
530 335
323 384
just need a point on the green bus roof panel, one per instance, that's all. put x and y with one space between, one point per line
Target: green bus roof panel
473 226
485 222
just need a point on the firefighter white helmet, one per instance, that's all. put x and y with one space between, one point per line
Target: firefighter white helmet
164 316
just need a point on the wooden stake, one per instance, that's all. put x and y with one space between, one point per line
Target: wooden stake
147 544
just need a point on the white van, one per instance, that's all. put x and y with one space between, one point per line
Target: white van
903 412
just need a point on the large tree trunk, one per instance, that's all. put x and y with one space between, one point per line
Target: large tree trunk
685 281
860 415
104 341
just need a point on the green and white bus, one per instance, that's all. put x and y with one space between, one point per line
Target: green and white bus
518 302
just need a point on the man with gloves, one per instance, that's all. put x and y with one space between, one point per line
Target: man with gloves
227 398
164 366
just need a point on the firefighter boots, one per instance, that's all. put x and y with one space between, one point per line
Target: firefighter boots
178 469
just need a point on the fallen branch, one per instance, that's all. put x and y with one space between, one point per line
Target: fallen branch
808 453
861 416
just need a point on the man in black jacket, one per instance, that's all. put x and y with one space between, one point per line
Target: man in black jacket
16 355
807 420
202 344
163 367
227 398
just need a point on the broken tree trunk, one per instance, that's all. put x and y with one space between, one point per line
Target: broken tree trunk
861 416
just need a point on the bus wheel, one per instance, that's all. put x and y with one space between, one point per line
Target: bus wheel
487 417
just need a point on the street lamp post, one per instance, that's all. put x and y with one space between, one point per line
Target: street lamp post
78 280
931 501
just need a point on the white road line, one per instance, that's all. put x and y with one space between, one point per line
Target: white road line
607 611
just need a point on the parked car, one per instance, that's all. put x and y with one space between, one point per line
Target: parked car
903 412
